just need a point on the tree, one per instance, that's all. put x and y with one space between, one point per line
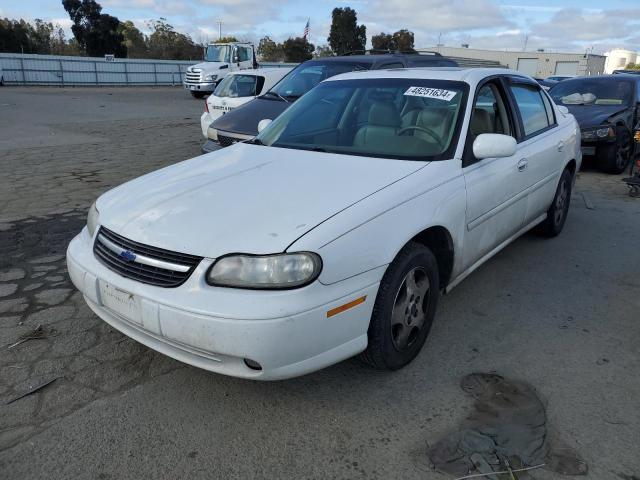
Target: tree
403 40
96 32
270 51
323 51
382 41
38 37
165 43
230 39
133 39
345 34
297 50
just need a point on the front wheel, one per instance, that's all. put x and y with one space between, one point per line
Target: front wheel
404 309
615 157
557 213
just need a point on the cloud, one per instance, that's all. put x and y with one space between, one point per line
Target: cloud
435 15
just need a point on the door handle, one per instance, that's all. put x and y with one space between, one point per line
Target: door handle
522 165
560 146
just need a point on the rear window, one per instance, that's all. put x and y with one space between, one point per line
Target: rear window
586 91
239 86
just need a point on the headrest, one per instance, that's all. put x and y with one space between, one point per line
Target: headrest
384 115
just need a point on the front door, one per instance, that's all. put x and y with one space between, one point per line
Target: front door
496 204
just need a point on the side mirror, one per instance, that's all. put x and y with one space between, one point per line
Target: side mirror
264 123
562 109
494 145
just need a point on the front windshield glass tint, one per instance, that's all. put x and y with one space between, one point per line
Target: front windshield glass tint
309 74
391 118
587 91
217 53
237 86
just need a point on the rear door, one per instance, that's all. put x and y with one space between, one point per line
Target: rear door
540 147
496 206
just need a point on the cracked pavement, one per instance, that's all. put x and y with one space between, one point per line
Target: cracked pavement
559 314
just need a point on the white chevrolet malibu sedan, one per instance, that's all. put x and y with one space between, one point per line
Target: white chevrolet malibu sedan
335 231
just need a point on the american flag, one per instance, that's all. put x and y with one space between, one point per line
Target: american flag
306 30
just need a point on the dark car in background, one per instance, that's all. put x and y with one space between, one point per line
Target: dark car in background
607 108
242 123
545 83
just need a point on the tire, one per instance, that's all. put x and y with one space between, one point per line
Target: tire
393 345
557 213
198 94
614 158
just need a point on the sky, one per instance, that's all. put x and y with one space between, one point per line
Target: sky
555 25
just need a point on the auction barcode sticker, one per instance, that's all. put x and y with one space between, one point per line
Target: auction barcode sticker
426 92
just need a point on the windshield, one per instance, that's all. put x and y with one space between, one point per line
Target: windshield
309 74
217 53
393 118
586 91
237 86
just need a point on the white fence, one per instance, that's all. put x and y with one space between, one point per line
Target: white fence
26 69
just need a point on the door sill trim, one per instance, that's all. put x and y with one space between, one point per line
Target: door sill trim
491 253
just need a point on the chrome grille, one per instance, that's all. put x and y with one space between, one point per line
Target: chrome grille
194 76
143 263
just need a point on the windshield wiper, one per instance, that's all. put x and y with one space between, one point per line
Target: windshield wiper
254 141
293 97
299 147
277 95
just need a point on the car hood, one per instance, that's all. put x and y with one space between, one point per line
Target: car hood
245 198
594 115
209 67
245 119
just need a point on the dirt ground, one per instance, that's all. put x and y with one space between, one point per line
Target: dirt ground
561 315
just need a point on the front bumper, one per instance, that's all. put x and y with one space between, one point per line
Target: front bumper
200 87
287 332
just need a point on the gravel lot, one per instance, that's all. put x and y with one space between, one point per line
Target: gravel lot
561 314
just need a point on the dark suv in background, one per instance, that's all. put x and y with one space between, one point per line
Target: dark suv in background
242 123
607 108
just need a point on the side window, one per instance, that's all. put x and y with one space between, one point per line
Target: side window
532 109
243 53
489 113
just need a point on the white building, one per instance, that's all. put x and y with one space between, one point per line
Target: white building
619 58
537 64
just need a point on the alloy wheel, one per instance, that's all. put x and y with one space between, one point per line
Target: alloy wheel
410 308
561 201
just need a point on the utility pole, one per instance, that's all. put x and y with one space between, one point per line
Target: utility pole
526 40
219 22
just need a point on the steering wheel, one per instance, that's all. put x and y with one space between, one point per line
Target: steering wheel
426 130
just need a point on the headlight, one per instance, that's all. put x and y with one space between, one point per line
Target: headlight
210 78
284 270
599 132
92 219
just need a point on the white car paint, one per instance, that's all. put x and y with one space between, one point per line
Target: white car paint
355 212
217 106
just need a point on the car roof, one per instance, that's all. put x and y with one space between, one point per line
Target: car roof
265 72
378 58
616 77
468 75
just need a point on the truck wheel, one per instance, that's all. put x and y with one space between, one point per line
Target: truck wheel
614 158
404 309
557 213
198 94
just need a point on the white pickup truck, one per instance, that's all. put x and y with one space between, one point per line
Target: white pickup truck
219 59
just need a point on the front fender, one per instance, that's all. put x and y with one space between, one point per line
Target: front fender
369 235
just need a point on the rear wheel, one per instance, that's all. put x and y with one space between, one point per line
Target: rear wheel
198 94
557 213
615 157
404 309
